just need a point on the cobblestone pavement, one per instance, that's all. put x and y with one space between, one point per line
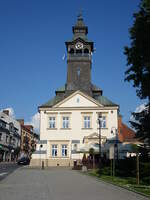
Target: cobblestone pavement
59 184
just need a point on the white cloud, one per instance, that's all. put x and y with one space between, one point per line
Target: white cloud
140 108
35 122
11 112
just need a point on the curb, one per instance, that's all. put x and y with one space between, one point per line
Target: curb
129 189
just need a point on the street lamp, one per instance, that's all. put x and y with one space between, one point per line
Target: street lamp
115 145
99 127
40 153
116 140
12 152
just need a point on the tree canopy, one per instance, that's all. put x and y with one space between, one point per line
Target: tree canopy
138 62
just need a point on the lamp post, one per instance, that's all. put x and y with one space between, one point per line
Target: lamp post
115 145
116 140
40 154
99 128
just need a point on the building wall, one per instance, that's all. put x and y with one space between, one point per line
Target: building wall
9 119
76 130
75 107
12 132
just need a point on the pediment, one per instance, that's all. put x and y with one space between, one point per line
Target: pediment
78 99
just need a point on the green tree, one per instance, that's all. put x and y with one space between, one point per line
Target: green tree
138 62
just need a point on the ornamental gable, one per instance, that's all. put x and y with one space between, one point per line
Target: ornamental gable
78 99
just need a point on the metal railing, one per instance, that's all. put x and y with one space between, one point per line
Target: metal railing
85 56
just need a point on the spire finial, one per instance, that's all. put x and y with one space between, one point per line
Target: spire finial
80 15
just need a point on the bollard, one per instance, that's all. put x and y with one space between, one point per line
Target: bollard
42 164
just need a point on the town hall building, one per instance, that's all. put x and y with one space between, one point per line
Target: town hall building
69 121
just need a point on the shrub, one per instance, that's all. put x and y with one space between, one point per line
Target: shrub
144 169
146 180
105 171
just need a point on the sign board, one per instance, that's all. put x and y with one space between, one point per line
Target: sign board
111 152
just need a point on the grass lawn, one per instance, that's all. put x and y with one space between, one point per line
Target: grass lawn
127 182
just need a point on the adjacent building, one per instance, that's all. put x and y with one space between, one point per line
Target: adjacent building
28 139
69 121
125 134
10 135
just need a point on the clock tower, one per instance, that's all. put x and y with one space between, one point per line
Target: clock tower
79 59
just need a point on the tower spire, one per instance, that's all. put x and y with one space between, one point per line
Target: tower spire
80 16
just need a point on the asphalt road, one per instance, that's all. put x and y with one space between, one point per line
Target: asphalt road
59 184
6 169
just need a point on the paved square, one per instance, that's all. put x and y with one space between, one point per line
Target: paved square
59 184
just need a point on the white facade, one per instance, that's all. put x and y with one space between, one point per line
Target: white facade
77 108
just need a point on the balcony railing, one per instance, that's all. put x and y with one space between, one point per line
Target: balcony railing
84 56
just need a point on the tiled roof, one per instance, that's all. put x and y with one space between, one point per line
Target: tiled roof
94 88
101 99
105 101
61 89
124 132
53 101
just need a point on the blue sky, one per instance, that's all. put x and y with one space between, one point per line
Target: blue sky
32 36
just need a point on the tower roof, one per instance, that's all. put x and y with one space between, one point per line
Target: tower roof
80 27
80 31
80 22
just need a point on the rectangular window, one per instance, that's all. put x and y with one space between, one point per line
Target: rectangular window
65 122
54 150
87 122
52 122
6 139
14 141
64 150
103 122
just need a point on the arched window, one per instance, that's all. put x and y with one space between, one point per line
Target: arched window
75 147
78 51
86 51
71 51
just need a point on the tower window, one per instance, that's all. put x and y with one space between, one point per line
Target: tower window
78 72
71 51
86 51
78 51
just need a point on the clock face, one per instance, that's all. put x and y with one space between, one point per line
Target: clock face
79 45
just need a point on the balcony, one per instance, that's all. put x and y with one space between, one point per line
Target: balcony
79 56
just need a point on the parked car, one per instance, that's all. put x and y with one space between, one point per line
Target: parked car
23 161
